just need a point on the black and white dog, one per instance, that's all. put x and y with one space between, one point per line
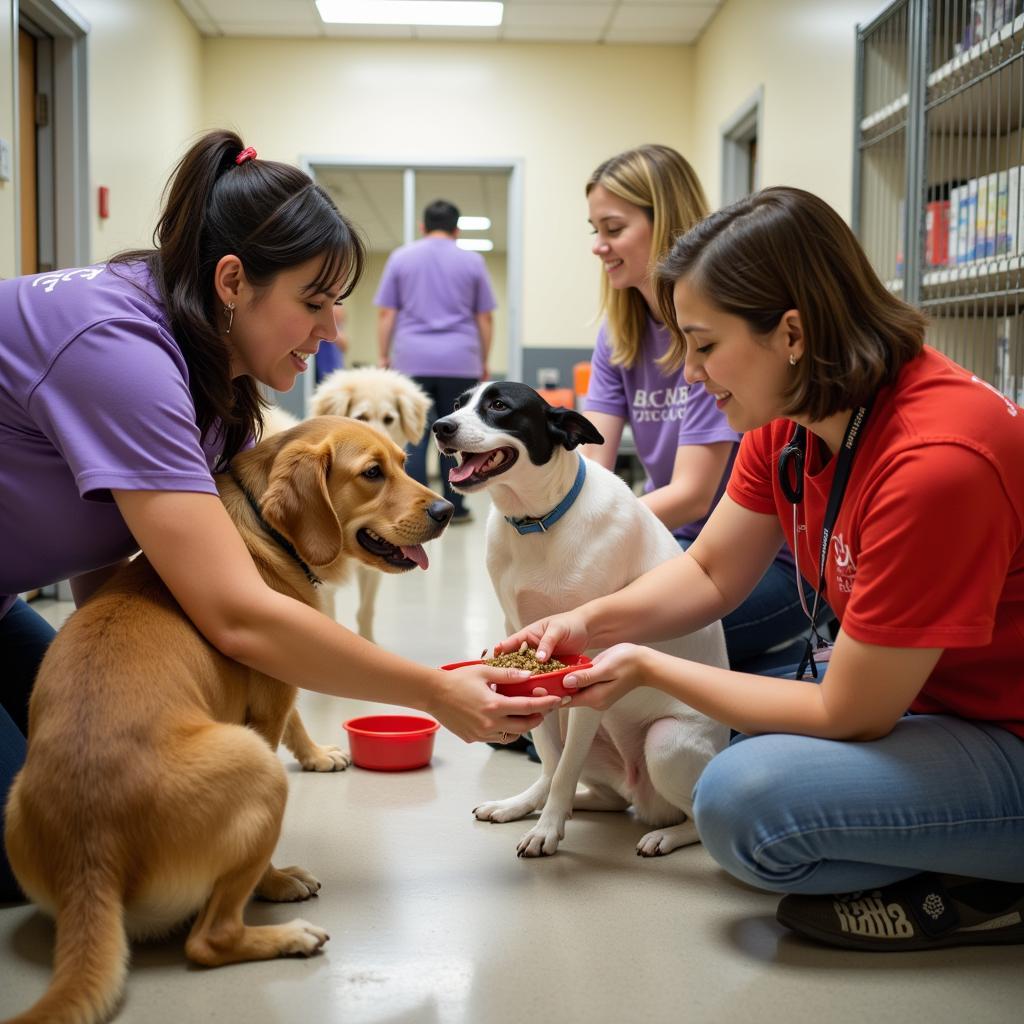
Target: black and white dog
563 530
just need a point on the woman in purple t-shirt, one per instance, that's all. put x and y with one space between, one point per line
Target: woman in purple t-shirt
124 386
639 202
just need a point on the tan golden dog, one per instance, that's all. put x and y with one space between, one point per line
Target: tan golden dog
152 790
388 401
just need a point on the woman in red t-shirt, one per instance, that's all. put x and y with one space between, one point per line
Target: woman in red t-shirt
902 774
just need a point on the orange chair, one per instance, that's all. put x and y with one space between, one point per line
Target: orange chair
558 396
581 380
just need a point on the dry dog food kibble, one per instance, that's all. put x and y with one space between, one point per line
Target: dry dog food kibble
526 657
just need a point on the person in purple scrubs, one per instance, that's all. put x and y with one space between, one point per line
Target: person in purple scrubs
639 202
124 386
435 325
331 355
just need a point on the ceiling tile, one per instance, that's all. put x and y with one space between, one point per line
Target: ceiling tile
557 16
265 28
625 21
663 17
260 10
456 32
368 31
516 4
552 35
670 3
651 36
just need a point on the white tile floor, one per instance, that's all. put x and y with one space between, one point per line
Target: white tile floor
434 920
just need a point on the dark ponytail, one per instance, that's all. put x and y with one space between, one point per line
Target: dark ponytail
270 215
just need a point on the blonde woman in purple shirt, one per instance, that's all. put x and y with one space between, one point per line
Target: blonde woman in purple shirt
639 202
124 386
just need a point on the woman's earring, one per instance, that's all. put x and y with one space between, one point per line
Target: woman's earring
229 312
792 358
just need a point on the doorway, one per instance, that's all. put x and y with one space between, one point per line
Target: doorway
386 200
53 222
741 172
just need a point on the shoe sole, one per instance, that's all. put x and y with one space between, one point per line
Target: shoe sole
996 937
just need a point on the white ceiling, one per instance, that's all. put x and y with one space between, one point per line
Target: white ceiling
373 200
574 21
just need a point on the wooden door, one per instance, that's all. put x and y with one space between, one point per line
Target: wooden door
27 152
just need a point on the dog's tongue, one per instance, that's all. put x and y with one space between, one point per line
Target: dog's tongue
415 553
470 463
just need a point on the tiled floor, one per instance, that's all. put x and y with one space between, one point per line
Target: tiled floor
434 920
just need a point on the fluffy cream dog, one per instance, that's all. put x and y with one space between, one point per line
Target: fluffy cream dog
389 402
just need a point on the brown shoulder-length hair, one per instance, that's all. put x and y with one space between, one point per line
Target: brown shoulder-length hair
273 217
664 185
782 249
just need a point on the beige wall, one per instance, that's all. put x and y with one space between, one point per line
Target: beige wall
361 324
562 109
8 130
145 84
802 51
154 83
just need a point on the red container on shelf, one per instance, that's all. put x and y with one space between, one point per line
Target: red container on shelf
391 743
937 233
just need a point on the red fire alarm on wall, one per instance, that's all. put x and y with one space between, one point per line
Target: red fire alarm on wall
104 202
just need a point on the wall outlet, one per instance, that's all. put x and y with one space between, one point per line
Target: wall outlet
548 377
5 160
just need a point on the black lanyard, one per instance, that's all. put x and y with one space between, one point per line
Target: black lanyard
795 452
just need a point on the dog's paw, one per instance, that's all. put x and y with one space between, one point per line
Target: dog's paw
503 810
665 840
300 938
541 841
287 885
325 759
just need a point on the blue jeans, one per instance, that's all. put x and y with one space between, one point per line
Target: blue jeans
443 391
802 815
770 616
24 638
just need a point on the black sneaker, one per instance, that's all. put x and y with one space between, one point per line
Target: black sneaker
521 743
925 911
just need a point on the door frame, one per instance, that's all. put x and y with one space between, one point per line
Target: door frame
514 251
70 137
746 124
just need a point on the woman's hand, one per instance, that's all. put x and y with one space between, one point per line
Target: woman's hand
466 704
614 673
557 634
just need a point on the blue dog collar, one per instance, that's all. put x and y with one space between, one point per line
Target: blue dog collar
528 524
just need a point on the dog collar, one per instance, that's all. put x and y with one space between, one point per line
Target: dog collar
282 542
532 524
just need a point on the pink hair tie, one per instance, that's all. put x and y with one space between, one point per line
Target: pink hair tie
247 154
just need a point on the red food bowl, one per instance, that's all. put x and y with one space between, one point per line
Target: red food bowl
551 681
391 743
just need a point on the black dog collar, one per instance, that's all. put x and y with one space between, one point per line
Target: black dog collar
282 542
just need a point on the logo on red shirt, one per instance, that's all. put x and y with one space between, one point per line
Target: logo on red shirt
846 568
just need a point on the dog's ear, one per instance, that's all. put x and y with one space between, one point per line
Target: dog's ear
297 503
333 397
569 428
413 406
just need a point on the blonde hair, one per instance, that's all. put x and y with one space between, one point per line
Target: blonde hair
664 185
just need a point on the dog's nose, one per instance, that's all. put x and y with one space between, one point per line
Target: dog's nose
444 428
440 511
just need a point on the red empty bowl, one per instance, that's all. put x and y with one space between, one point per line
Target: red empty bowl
391 743
551 681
